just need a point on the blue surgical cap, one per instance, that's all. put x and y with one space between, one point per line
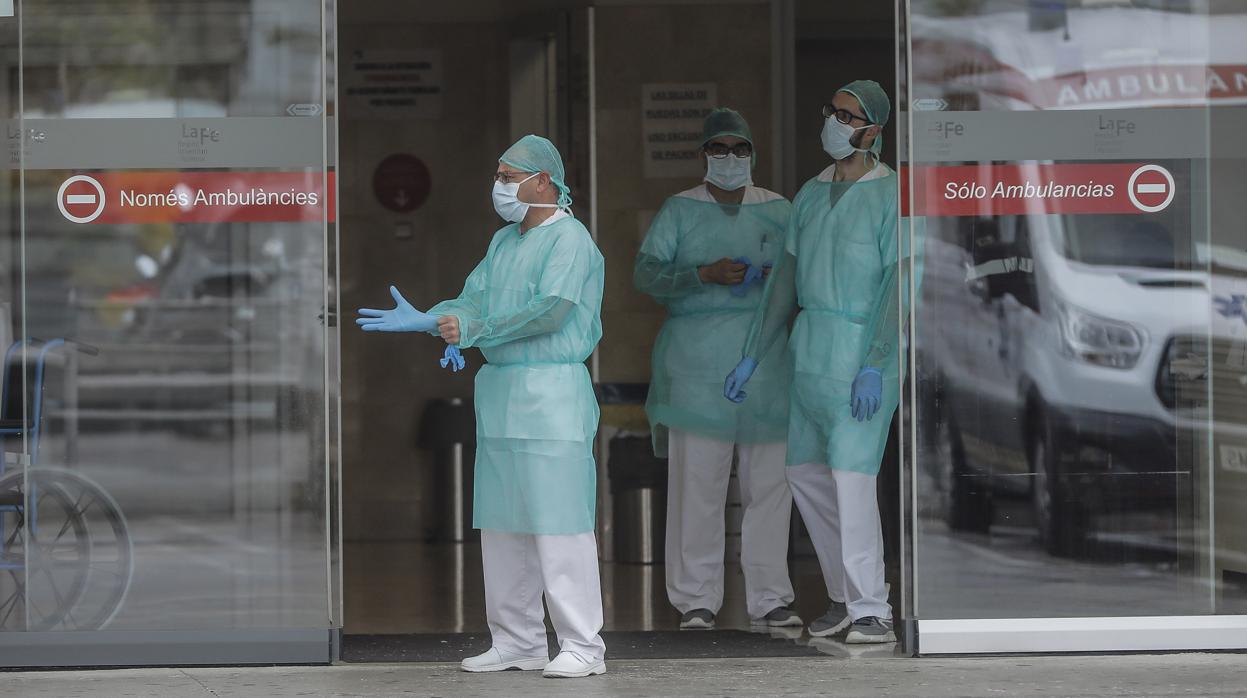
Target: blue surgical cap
536 154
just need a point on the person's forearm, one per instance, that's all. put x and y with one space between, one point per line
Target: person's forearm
666 281
771 319
540 316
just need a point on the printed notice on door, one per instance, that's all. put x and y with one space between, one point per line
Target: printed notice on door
671 121
394 84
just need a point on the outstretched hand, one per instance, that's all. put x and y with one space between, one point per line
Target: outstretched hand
403 317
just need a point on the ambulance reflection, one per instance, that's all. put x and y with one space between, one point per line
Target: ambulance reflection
198 324
1069 361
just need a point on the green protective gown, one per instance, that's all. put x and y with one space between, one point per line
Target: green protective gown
706 323
533 306
840 270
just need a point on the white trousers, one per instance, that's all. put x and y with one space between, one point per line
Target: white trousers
841 511
699 470
519 568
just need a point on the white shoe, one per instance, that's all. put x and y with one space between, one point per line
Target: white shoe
497 660
569 665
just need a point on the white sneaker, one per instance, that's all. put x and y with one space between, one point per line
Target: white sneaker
569 665
497 660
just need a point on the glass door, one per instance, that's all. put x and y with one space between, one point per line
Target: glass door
1075 451
166 304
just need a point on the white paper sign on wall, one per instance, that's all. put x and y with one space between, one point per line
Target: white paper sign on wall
671 121
6 8
394 84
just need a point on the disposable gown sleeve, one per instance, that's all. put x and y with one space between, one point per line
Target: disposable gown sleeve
558 290
892 302
470 303
541 315
779 302
656 271
664 280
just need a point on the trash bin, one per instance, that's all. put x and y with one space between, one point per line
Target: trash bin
638 487
448 428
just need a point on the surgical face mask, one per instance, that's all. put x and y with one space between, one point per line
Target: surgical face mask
507 200
729 173
837 139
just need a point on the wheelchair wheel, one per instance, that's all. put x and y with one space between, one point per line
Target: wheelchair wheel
67 556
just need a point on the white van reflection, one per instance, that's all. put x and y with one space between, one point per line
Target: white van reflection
1078 375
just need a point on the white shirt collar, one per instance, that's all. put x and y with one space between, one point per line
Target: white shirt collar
753 195
559 214
879 171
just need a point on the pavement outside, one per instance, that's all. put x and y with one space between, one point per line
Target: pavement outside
1131 675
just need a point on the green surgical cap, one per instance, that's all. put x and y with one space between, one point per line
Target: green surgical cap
536 154
874 102
725 122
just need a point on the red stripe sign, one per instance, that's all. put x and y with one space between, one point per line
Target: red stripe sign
196 197
1017 189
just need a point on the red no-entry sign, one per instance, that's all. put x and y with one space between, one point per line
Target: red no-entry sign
1151 188
81 199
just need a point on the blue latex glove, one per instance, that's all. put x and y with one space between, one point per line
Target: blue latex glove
753 275
453 358
402 318
867 393
733 387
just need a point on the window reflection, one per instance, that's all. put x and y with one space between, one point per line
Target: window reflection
197 417
1074 369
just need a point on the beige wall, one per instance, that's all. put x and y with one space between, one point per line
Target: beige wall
725 44
387 379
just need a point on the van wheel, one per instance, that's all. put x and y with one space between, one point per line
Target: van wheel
1059 516
967 501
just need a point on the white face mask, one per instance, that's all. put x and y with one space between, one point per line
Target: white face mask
507 201
729 173
837 139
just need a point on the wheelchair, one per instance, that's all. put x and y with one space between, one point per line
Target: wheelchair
66 558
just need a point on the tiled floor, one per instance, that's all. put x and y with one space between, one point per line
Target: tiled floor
399 587
1152 676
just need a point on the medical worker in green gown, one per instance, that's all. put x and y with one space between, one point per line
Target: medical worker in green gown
839 274
705 258
533 307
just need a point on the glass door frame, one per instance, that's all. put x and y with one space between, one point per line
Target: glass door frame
962 636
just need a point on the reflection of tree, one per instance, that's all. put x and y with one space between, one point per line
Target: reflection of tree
117 51
116 22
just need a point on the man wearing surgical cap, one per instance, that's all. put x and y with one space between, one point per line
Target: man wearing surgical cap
842 260
704 258
533 308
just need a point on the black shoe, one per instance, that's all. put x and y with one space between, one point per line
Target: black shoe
697 619
780 617
870 631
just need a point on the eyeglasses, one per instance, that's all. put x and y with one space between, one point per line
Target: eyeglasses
721 150
511 177
844 116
